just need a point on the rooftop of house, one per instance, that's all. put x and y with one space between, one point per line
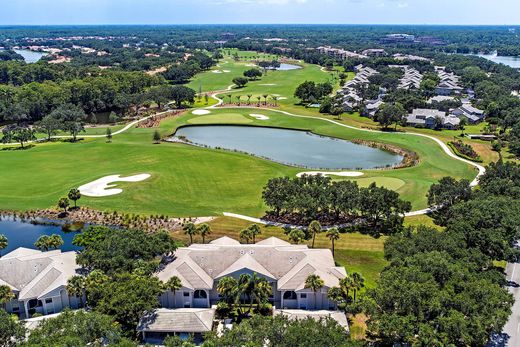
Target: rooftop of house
33 273
181 320
199 265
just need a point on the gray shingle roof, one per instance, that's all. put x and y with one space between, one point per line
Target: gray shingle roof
182 320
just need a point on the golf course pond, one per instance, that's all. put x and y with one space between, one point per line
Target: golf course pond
290 147
23 233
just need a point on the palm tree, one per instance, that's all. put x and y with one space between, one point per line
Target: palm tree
265 98
63 203
55 241
190 230
333 235
6 294
3 243
249 96
335 294
230 96
346 284
238 99
204 230
462 126
358 282
227 287
296 236
258 98
74 195
173 284
76 287
253 231
314 228
275 99
245 235
43 243
314 283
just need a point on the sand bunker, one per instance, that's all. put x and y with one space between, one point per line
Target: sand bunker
282 98
200 112
268 84
259 116
105 185
327 173
216 71
226 71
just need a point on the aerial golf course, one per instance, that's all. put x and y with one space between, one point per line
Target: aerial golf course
191 181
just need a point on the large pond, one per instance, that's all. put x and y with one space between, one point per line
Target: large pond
30 56
292 147
287 67
511 61
21 233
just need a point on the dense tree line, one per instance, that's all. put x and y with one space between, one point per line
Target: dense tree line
303 199
444 288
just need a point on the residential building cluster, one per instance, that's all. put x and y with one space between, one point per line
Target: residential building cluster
339 53
39 283
349 92
411 79
449 82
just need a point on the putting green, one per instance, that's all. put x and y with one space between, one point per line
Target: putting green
387 182
221 118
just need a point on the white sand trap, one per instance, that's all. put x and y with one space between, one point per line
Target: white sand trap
105 185
200 112
327 173
282 98
268 84
226 71
216 71
259 116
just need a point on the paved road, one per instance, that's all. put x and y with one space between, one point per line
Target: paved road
511 335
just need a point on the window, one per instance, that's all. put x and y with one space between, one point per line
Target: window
186 294
200 294
48 301
289 295
303 296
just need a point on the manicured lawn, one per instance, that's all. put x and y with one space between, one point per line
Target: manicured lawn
221 118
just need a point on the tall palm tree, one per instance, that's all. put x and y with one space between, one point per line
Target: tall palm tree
74 195
249 96
314 228
3 243
190 229
238 99
358 282
333 235
6 295
335 294
275 99
314 283
76 287
227 287
253 231
265 99
173 284
204 230
346 284
230 96
245 235
258 98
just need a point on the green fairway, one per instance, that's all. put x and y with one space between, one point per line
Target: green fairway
191 181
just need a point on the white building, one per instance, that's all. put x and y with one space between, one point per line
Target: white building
285 266
38 281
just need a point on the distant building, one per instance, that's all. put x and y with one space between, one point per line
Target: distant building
427 118
374 52
38 281
410 57
372 106
339 53
398 38
449 82
228 36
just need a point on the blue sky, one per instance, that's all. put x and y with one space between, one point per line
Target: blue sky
259 11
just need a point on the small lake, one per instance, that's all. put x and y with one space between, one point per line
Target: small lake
291 147
511 61
23 234
287 67
30 56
